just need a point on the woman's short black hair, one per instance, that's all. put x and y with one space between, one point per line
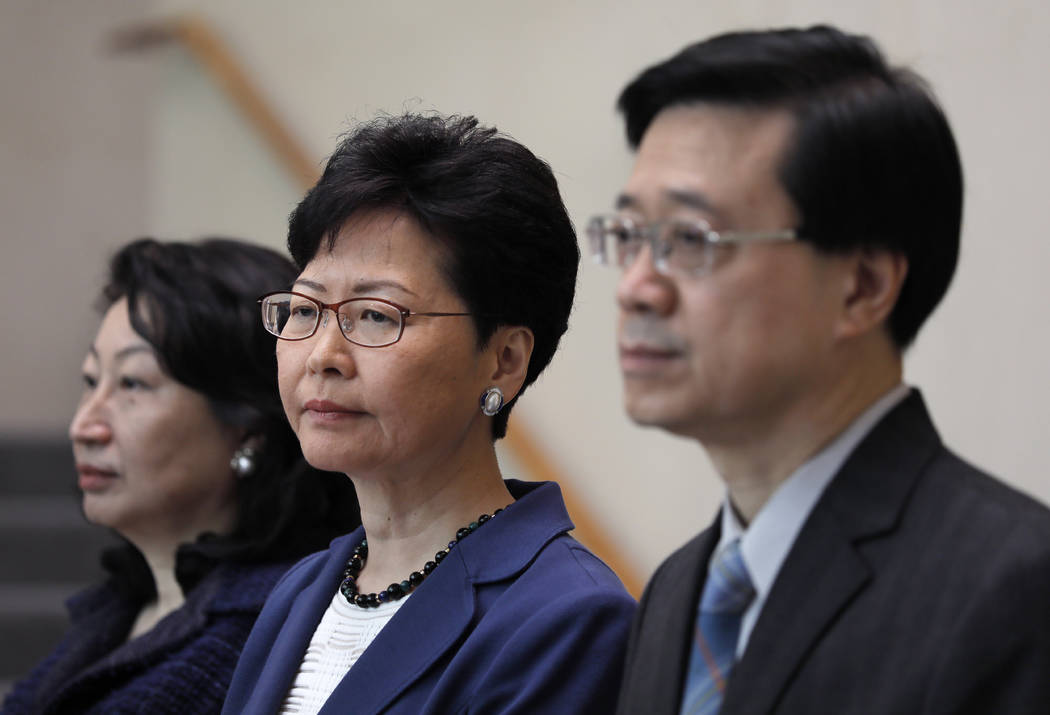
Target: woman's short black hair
195 303
873 162
511 251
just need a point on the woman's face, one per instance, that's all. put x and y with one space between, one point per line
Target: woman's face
153 460
409 405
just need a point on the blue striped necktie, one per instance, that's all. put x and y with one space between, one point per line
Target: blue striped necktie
726 595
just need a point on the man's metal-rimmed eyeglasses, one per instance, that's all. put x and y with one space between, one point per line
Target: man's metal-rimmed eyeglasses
368 322
678 246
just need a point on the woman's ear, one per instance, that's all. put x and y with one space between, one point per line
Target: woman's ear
511 346
873 284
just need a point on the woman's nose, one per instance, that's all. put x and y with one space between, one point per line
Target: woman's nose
91 423
330 351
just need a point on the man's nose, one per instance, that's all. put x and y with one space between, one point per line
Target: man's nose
642 288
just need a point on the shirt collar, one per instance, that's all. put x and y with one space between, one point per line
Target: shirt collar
765 543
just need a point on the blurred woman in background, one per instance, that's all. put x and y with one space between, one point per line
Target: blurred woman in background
183 449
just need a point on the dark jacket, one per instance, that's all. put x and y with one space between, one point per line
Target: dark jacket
518 618
182 666
918 584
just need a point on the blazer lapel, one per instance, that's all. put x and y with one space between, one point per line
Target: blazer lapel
436 617
304 613
414 639
167 635
823 571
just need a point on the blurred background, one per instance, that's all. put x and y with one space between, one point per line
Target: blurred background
113 125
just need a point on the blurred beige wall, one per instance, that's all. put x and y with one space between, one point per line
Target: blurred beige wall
74 165
548 72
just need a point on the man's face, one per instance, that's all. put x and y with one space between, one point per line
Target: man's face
718 355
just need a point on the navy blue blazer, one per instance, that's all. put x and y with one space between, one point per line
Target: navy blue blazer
519 618
182 666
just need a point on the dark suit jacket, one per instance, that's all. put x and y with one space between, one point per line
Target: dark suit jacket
182 666
918 584
519 618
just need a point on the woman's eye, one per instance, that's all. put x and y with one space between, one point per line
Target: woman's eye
132 383
374 316
304 312
90 381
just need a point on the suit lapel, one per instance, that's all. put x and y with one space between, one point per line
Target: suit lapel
414 639
823 571
662 633
805 600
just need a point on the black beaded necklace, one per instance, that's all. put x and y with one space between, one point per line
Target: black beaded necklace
397 591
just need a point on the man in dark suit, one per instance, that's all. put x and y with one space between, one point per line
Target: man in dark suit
792 219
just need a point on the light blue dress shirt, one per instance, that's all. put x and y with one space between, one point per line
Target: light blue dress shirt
765 543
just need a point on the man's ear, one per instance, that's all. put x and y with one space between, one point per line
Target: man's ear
873 284
511 347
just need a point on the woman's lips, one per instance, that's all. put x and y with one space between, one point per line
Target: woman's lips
91 478
326 411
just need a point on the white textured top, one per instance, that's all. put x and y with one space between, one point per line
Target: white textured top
338 641
765 543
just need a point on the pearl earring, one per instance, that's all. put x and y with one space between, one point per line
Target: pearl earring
243 462
491 401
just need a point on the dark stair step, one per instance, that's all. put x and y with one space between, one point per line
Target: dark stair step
47 539
48 551
36 466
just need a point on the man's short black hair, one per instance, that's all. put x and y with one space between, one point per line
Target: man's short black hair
872 163
510 251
